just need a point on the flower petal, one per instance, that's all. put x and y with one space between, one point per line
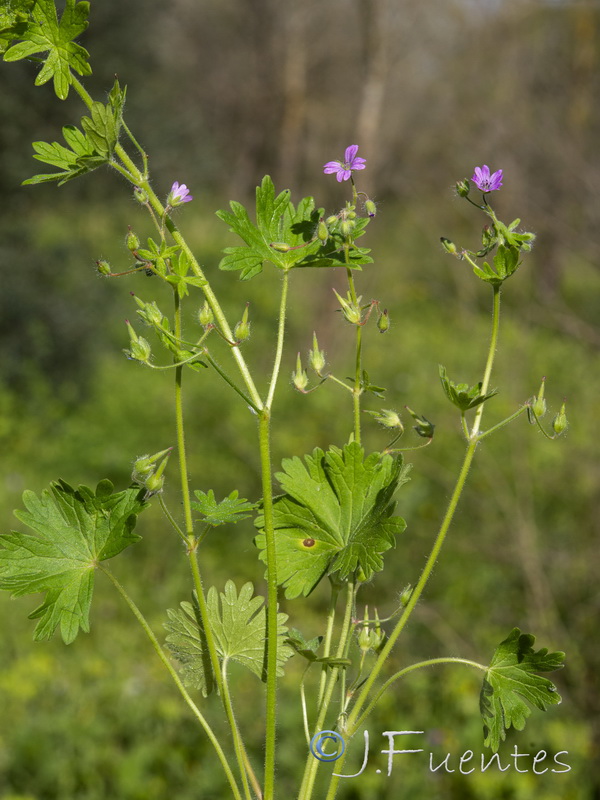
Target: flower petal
350 153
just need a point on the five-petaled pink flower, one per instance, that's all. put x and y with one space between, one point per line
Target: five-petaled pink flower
178 195
343 169
486 182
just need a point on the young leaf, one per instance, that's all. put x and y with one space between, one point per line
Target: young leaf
230 509
282 234
511 680
14 16
462 395
238 623
76 529
336 516
44 34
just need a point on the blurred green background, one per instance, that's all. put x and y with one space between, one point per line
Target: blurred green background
220 92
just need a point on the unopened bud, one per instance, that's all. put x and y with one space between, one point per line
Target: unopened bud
299 376
242 329
346 227
281 247
331 220
322 231
205 315
560 422
448 246
383 321
463 188
405 595
139 348
316 357
149 312
132 241
423 427
378 637
364 633
538 404
370 208
388 418
103 267
351 310
146 465
140 195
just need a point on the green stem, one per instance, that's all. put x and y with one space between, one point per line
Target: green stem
228 380
170 669
264 431
502 424
171 519
430 662
357 391
445 525
335 591
312 764
280 337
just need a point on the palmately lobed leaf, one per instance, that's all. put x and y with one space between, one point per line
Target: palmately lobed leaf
336 516
44 33
238 623
511 686
76 529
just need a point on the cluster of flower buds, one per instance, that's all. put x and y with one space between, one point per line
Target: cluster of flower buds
139 348
147 472
370 635
536 409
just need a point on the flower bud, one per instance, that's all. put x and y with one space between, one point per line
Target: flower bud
139 348
316 357
370 208
351 310
346 227
242 329
140 195
205 315
560 422
388 418
405 595
383 321
299 376
538 404
423 427
132 241
331 220
463 188
146 465
149 312
378 637
322 231
103 267
281 247
364 633
448 246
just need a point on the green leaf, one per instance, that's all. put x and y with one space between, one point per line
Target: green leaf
76 529
277 223
305 648
44 33
511 680
336 516
231 509
238 623
14 17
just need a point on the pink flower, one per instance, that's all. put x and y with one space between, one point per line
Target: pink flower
343 169
486 182
178 195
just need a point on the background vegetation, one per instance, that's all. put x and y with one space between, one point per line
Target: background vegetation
220 92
